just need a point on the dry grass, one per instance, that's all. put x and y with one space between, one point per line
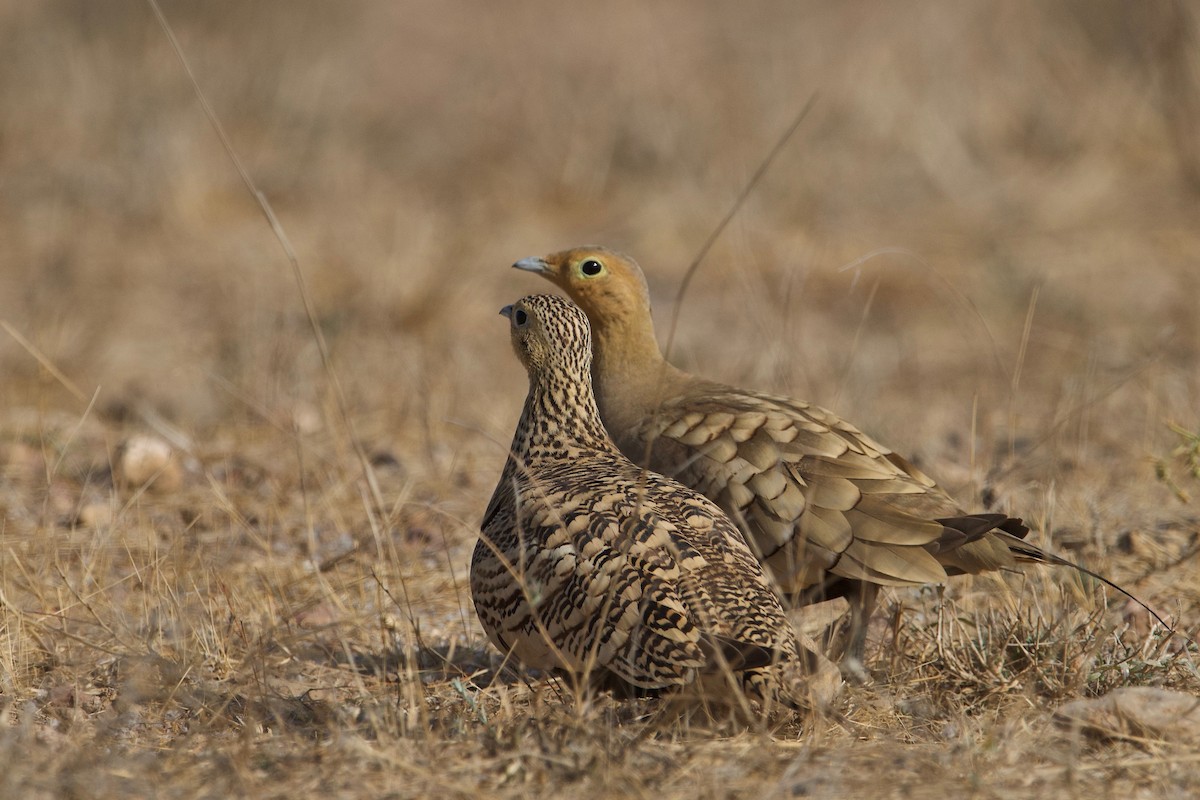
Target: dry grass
1014 189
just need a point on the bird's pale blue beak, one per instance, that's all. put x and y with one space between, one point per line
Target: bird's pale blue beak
538 265
506 311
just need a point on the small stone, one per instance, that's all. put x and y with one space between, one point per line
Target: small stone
306 418
95 515
319 616
20 462
144 460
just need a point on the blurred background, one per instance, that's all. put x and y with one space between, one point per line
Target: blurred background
986 233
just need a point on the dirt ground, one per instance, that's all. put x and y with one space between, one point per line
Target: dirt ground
230 566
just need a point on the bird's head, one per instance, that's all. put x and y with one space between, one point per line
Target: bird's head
550 333
607 285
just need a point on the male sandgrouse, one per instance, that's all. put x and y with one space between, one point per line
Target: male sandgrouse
591 566
827 509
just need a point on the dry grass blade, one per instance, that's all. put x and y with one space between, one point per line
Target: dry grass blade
716 232
46 363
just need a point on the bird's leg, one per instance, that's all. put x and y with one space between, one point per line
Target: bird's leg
862 604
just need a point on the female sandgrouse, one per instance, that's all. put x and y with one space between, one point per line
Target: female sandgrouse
827 509
594 567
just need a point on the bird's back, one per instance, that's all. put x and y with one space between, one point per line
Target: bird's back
816 494
590 563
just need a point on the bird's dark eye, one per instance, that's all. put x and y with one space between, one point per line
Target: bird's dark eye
520 317
591 268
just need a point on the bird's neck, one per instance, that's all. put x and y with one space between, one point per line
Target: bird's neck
629 372
559 420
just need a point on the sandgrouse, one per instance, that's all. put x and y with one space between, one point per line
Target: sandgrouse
827 509
591 566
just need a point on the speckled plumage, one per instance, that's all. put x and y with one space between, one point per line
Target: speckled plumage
828 509
591 565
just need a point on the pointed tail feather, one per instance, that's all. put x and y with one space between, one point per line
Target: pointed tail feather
1024 551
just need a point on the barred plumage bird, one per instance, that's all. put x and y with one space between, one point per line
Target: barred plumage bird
592 566
827 509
